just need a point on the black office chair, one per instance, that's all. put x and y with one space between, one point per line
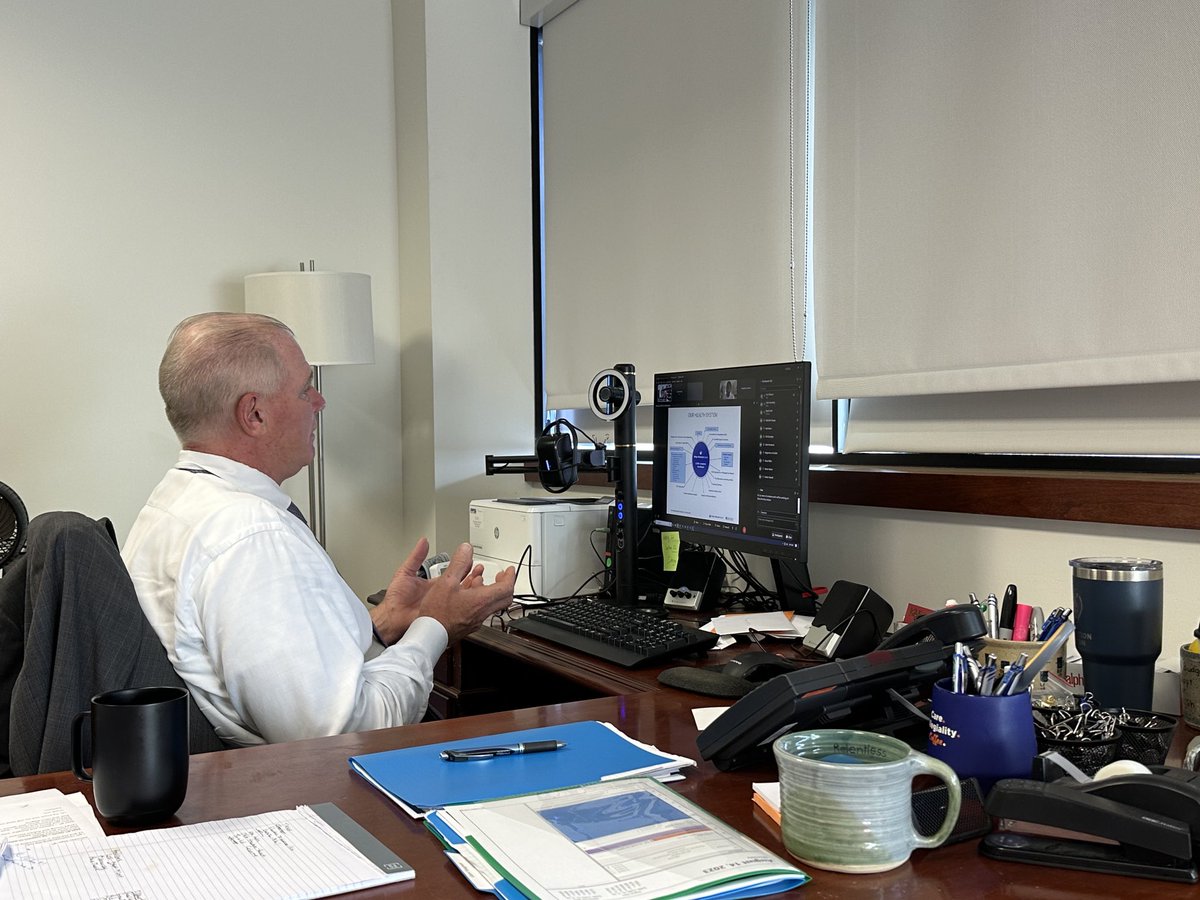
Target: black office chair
70 628
14 522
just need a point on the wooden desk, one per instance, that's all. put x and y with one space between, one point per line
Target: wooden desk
495 669
259 779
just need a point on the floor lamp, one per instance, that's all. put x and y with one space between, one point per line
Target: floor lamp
330 314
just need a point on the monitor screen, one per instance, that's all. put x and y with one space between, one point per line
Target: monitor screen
731 458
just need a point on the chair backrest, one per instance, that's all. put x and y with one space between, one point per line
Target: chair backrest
82 633
14 522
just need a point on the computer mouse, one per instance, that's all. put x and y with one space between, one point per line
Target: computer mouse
757 665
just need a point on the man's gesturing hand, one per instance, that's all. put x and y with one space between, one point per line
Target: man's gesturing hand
458 599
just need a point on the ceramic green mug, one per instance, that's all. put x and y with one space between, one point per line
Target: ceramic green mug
846 799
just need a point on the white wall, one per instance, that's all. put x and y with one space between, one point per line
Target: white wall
156 153
464 121
925 558
153 155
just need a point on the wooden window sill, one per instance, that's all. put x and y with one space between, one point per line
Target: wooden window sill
1157 501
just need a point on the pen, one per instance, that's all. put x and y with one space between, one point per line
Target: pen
988 675
992 617
958 671
1010 676
1055 619
469 753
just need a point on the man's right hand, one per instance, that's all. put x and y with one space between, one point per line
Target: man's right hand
460 600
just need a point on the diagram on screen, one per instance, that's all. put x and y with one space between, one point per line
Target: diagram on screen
702 462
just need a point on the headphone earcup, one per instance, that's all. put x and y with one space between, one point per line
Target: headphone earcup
558 461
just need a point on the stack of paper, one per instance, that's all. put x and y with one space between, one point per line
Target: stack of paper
635 839
766 798
47 817
783 625
418 779
305 852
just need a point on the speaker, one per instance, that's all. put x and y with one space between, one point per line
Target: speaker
852 621
697 580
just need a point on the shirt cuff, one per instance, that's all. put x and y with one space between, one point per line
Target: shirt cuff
427 633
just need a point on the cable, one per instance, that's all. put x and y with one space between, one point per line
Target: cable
558 468
756 597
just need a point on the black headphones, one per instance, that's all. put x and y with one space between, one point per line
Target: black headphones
559 456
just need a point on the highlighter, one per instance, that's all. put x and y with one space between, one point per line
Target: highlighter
1020 628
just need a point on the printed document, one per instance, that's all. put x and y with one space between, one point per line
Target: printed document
47 817
635 839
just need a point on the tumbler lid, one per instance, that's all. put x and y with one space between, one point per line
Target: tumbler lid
1118 569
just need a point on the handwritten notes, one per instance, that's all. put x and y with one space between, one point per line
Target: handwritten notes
284 854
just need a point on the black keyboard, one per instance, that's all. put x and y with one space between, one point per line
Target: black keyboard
627 637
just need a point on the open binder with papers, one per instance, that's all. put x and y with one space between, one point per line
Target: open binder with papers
633 838
420 779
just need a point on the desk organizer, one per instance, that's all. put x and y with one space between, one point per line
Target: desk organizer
1145 736
1089 755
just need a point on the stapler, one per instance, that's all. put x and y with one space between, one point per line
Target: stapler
1150 821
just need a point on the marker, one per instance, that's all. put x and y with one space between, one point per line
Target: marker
472 753
1008 611
1020 629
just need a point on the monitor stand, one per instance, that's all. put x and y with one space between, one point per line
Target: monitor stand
794 586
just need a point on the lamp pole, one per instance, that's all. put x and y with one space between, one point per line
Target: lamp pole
316 470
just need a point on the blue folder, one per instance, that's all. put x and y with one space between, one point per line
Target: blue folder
419 778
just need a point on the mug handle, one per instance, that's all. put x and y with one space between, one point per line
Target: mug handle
77 746
1192 756
928 765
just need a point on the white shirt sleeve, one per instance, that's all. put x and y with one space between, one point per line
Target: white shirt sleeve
287 637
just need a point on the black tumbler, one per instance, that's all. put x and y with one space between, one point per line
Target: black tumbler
1118 628
139 753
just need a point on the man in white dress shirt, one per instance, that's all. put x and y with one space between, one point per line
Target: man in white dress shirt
254 616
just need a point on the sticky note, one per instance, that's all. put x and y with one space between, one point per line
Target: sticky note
670 550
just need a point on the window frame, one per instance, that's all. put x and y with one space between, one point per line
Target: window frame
1151 491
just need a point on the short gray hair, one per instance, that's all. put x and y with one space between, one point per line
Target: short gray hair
211 360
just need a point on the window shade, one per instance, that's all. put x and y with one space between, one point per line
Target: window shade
673 195
1005 199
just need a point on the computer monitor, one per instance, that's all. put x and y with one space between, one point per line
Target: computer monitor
731 461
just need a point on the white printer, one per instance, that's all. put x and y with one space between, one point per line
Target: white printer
555 537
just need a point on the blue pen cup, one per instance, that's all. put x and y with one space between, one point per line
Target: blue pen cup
982 737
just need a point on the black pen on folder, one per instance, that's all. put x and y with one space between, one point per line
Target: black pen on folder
470 753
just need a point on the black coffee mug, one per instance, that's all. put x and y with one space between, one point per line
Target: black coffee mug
139 753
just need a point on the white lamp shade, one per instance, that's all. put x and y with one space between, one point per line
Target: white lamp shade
329 312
